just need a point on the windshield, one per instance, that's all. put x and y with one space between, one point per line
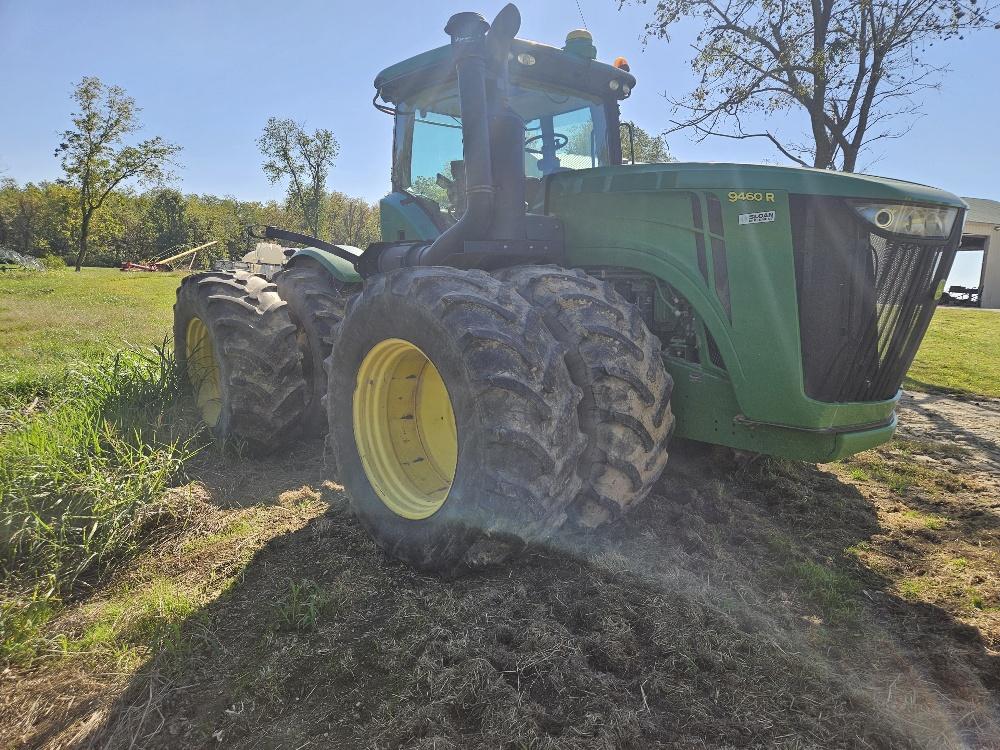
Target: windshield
563 131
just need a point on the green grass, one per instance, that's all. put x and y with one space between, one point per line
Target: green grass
974 599
927 520
301 607
90 440
135 622
49 320
915 588
893 466
53 319
959 354
82 483
22 621
833 590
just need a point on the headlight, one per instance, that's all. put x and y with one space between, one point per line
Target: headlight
915 221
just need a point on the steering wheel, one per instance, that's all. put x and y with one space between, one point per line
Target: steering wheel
559 141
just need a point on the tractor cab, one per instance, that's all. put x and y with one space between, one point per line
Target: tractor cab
566 100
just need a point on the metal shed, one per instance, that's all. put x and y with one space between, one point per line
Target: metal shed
982 232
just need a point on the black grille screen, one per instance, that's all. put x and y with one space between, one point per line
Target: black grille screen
864 300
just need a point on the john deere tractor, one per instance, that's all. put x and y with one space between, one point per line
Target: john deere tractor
540 318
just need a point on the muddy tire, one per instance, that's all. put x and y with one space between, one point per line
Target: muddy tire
235 343
316 304
613 357
508 472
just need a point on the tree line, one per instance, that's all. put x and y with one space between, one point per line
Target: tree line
45 219
97 214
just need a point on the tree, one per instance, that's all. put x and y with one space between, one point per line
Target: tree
125 230
37 219
289 151
640 146
20 216
427 187
95 157
166 214
637 145
44 219
353 221
853 68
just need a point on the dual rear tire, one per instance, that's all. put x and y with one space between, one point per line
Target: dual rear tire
235 343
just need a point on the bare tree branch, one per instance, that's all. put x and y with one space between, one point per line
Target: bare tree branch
852 67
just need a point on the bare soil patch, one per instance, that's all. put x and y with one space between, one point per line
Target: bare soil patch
971 423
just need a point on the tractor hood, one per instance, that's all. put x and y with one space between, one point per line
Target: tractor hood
758 177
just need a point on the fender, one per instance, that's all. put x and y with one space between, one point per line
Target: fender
340 268
659 264
401 217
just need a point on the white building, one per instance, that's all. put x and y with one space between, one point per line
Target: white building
982 232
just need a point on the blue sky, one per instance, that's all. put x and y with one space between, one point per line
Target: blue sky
209 74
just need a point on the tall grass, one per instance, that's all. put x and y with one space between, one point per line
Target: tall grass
83 469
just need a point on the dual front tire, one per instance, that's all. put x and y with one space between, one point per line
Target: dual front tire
453 418
616 362
316 303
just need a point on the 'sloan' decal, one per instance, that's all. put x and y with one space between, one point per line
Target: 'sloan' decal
758 218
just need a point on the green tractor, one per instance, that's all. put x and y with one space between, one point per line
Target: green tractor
540 318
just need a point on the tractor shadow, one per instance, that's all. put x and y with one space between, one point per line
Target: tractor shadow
725 611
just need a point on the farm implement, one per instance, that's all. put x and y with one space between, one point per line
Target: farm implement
167 263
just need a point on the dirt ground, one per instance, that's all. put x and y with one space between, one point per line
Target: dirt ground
854 604
970 423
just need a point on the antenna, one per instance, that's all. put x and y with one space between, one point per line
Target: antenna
580 11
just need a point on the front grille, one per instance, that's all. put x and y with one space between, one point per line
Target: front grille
864 300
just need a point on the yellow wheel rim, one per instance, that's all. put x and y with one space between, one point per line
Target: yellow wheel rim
203 371
404 429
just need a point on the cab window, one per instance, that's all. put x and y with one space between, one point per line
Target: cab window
562 131
429 153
